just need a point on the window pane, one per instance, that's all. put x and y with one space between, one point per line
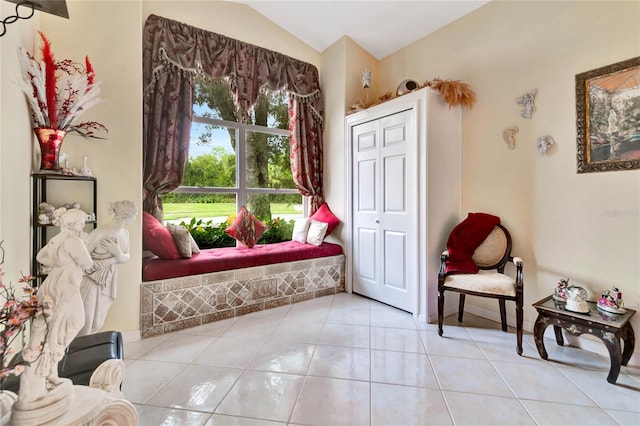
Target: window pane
268 206
212 158
214 207
267 161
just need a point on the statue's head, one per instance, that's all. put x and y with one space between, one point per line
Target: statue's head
72 219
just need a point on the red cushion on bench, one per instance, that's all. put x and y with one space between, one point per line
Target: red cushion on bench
227 258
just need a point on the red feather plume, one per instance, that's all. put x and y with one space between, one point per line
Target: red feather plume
90 73
50 80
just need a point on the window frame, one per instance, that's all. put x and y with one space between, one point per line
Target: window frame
241 190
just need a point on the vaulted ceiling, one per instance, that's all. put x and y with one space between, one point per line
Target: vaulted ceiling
380 27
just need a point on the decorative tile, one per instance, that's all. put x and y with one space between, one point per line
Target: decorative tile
182 282
325 292
217 277
249 273
324 261
146 301
275 303
264 289
278 268
217 316
301 264
301 297
179 325
243 310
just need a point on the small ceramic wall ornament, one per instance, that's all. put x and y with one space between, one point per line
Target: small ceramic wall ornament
527 101
406 86
544 144
365 78
509 136
85 171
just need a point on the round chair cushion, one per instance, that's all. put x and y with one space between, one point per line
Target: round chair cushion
492 249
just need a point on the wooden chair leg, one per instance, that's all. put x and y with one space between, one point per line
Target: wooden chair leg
519 321
461 307
440 311
503 314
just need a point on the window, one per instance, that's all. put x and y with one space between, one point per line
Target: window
233 163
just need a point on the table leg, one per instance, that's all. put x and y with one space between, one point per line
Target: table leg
558 331
538 335
613 346
629 339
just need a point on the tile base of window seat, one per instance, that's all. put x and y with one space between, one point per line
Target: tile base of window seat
178 303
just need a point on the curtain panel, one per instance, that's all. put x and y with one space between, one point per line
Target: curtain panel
174 53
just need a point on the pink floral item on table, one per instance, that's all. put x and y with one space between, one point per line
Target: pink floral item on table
611 301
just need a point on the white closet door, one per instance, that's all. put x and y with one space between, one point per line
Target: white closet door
383 209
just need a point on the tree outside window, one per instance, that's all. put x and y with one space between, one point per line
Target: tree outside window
232 163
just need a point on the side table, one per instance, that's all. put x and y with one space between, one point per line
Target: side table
610 328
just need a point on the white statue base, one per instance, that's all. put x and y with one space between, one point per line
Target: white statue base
99 404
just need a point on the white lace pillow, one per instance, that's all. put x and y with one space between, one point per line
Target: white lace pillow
316 232
300 228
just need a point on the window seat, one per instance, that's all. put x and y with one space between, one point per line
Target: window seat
227 258
226 282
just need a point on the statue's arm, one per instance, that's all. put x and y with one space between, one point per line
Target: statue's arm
79 253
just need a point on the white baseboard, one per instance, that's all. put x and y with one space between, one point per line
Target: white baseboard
577 341
131 336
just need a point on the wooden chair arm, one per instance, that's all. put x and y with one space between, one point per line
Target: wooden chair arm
443 266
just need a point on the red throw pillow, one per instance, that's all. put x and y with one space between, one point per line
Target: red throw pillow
323 214
246 228
157 238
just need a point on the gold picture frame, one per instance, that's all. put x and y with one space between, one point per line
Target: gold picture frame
608 117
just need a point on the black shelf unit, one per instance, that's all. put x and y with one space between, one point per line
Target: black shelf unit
40 234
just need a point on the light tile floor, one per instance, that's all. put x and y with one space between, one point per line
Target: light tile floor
347 360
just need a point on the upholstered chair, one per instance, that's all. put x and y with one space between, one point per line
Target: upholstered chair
491 257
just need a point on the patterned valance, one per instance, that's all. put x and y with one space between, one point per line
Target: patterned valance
174 46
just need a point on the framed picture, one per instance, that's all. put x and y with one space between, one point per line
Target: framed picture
608 117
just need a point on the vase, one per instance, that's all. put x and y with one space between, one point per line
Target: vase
50 141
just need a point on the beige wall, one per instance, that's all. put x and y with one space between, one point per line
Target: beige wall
582 226
342 64
15 149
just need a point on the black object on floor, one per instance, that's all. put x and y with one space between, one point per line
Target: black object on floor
82 357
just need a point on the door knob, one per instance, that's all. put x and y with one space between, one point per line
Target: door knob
377 221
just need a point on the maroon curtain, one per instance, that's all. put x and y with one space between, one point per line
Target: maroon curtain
173 54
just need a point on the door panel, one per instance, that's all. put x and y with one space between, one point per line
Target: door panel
367 263
394 260
383 207
395 184
366 186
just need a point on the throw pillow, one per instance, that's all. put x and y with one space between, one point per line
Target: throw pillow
323 214
157 238
300 228
181 236
194 246
316 232
246 228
